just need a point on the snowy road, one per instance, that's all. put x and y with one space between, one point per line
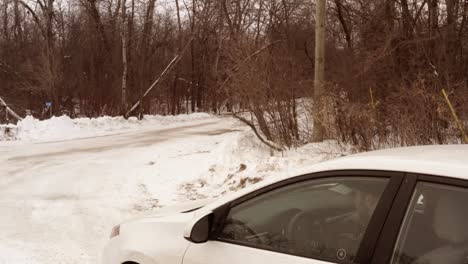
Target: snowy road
59 200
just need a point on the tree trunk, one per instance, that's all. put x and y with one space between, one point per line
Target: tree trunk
18 29
175 99
145 73
99 25
50 50
433 16
130 53
192 49
344 24
257 31
124 57
407 20
5 20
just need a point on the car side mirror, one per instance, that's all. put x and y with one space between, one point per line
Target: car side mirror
198 231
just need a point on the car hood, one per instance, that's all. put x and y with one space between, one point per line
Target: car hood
184 207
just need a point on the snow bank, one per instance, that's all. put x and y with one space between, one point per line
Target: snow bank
63 127
31 129
243 160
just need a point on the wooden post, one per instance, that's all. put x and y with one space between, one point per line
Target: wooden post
319 81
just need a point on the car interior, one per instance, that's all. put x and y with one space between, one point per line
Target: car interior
309 221
436 230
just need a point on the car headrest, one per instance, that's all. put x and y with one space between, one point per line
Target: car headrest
451 218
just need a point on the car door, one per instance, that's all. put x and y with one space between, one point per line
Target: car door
315 218
428 224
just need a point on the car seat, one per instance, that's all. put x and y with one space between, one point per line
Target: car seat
451 225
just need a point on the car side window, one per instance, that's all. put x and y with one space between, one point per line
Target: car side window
323 218
435 228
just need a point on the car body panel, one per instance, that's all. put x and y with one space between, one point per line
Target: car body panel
188 206
442 160
226 253
159 238
150 241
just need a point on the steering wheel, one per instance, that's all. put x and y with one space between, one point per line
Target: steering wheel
306 236
239 231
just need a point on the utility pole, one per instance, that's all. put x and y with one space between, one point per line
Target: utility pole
319 81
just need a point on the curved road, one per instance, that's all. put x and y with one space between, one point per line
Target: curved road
59 200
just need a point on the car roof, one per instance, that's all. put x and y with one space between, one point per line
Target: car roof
441 160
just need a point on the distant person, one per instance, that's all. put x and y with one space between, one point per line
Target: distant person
353 227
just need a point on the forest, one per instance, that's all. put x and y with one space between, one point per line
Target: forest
387 63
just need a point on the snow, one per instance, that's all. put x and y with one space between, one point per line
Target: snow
64 183
63 127
244 160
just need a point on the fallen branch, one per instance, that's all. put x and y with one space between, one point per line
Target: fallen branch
455 116
8 109
252 126
171 64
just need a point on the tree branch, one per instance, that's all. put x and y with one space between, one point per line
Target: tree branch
174 62
36 18
247 59
252 126
8 109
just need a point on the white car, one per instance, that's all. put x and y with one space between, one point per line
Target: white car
405 205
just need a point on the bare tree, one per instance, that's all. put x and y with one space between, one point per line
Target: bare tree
124 54
100 56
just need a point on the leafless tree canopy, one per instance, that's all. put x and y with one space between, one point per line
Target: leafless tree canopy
386 62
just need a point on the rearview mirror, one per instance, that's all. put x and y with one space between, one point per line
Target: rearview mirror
198 231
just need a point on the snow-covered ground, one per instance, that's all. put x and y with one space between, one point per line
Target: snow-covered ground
63 127
64 183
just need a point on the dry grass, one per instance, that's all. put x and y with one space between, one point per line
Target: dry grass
413 115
